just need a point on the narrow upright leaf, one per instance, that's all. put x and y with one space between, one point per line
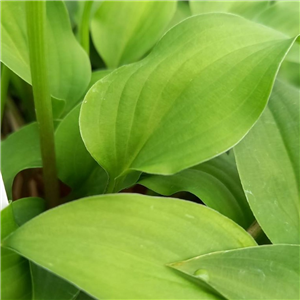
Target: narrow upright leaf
116 246
264 272
124 31
195 96
268 163
215 182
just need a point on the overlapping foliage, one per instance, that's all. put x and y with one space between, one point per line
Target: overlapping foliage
198 97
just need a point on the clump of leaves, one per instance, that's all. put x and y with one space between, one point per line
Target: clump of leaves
130 106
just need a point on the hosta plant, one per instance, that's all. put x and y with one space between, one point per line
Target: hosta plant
150 150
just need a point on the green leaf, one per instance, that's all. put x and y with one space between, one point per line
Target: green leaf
124 32
181 105
268 164
283 16
116 246
215 182
182 12
247 9
68 64
75 165
97 75
48 286
15 274
264 272
20 151
27 208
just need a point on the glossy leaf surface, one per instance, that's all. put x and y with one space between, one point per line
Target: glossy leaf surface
264 272
123 32
180 106
68 64
215 182
97 242
268 164
15 274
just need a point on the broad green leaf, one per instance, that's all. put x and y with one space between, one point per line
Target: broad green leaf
20 151
264 272
75 165
27 208
116 246
15 273
195 96
84 296
124 32
45 285
268 164
247 9
215 182
68 64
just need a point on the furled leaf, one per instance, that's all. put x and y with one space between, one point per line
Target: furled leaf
215 182
195 96
123 32
264 272
20 151
75 165
15 273
68 64
116 246
268 164
247 9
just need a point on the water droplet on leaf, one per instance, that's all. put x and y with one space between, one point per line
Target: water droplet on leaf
202 274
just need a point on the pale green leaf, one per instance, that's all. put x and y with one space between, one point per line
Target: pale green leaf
247 9
268 164
116 246
124 32
215 182
195 96
75 165
68 64
264 272
15 274
43 282
283 16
